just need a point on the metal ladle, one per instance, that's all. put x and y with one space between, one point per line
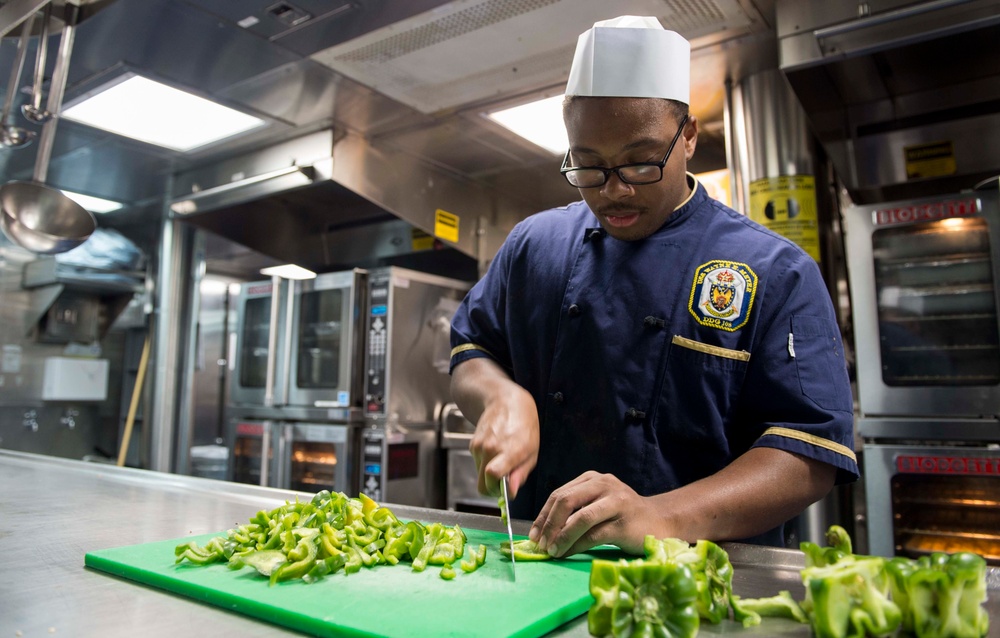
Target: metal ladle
14 136
35 216
34 111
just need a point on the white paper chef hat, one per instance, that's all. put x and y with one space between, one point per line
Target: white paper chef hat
631 56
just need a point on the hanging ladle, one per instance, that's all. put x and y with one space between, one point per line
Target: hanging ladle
14 136
35 216
34 111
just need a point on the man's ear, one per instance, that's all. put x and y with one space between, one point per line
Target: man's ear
690 136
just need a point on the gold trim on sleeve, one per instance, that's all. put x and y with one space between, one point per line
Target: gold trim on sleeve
812 439
739 355
465 347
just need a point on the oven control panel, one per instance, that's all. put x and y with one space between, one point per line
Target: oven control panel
377 344
373 463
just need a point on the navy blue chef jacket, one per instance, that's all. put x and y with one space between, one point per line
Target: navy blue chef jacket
662 360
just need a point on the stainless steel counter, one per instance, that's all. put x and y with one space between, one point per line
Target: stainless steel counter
53 511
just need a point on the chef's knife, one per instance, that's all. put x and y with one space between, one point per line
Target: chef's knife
505 514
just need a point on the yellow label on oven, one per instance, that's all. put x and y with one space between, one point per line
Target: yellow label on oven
446 226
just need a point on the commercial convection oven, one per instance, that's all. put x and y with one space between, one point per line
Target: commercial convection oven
294 418
358 381
923 277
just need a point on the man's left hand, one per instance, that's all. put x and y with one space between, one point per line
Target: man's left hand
594 509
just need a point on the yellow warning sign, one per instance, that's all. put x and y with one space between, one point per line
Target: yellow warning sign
930 160
446 226
787 205
419 240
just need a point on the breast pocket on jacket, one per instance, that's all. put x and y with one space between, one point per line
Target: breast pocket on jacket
701 383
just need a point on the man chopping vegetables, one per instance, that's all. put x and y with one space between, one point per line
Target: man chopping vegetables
647 360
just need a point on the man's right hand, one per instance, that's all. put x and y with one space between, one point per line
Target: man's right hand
506 439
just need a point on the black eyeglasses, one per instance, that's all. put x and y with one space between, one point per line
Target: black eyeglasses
636 174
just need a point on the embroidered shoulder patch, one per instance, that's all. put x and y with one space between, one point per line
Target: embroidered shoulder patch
722 294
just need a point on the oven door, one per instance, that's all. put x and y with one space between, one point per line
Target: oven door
933 498
317 456
923 280
252 451
255 333
326 342
402 466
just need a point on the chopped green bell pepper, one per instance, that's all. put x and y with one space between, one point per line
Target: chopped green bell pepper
502 504
780 606
430 540
265 561
524 550
640 598
476 560
325 567
211 553
301 559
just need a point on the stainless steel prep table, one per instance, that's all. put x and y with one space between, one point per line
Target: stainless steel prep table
53 511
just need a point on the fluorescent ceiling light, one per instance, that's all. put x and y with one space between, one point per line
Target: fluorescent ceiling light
538 122
93 204
159 114
288 271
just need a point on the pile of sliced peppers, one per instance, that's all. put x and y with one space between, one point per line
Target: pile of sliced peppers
330 533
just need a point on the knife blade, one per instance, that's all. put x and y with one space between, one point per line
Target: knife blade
505 515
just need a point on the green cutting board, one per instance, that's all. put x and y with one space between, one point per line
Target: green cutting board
381 601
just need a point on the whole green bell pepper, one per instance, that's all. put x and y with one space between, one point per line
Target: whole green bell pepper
713 574
849 599
941 595
640 598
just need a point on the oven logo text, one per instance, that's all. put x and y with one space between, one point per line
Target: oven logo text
926 212
978 466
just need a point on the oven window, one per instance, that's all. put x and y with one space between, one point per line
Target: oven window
247 453
936 304
941 513
314 467
253 356
319 339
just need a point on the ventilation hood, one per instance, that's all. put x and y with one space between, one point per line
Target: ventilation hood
391 93
904 97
